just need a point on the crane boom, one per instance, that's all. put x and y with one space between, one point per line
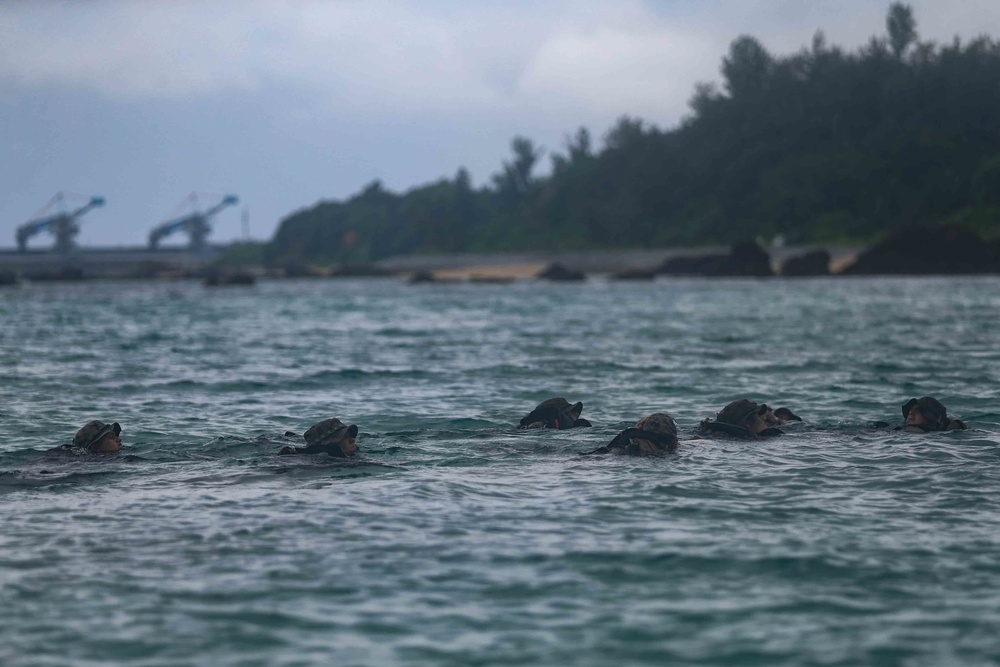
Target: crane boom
63 225
195 224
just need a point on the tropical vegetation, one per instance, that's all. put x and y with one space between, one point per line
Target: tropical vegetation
822 145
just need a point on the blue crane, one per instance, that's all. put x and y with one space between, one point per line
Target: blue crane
195 224
62 225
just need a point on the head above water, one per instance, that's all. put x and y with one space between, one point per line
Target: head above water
786 415
926 412
331 432
746 413
97 436
660 425
555 413
562 405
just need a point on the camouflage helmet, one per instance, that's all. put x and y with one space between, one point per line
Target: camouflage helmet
738 412
658 422
93 432
934 413
560 404
554 413
329 431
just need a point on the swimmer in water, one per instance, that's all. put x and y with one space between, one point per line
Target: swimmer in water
744 419
926 414
95 437
651 435
555 413
331 436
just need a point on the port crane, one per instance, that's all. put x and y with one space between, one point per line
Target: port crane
196 224
63 225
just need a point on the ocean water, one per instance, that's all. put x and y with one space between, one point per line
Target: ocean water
455 539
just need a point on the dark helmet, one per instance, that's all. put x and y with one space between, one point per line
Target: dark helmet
561 405
658 422
738 412
555 413
934 413
93 432
329 432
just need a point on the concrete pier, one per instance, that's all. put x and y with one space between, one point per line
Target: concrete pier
106 262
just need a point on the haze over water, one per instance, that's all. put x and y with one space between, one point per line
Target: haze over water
455 539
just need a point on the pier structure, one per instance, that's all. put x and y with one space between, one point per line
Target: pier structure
121 262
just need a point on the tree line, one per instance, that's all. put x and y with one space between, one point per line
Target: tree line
822 145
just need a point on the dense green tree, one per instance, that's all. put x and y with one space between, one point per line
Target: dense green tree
902 28
819 145
747 68
515 179
986 183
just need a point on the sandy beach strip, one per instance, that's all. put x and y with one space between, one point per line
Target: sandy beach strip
491 271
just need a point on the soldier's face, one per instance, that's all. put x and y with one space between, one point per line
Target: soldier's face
915 417
348 445
757 423
109 443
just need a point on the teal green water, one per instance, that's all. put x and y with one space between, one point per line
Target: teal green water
457 540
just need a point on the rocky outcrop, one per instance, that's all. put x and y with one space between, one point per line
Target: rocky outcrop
229 279
295 270
744 259
65 274
928 251
429 277
558 272
359 271
421 277
491 280
634 274
811 264
748 259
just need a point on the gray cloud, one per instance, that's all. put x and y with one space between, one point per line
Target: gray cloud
389 57
323 96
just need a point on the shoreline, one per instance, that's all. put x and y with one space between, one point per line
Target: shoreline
174 263
527 265
458 267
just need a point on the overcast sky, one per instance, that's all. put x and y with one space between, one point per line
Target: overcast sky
288 103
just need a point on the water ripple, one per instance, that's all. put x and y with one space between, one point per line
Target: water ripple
454 539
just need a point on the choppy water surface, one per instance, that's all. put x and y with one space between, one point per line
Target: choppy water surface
457 540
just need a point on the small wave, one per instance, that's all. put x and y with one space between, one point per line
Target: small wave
397 332
17 480
325 377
